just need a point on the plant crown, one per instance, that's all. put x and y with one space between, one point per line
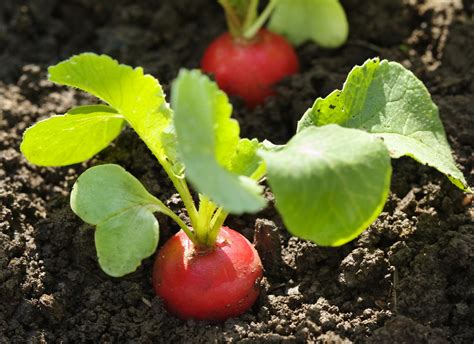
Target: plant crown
330 181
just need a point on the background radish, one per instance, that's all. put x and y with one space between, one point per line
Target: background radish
250 68
248 60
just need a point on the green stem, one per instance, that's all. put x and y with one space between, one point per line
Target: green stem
251 14
233 20
250 32
202 216
205 215
216 223
260 172
183 226
182 187
188 201
167 211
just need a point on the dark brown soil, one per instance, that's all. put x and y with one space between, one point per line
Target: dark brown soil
408 279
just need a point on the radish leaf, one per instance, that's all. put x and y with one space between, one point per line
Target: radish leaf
207 141
123 241
390 102
137 97
245 160
330 183
112 199
323 21
72 138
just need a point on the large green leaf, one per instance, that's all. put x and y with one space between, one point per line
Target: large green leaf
207 140
74 137
117 203
137 97
322 21
330 183
387 100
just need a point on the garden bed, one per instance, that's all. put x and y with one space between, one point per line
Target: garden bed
408 278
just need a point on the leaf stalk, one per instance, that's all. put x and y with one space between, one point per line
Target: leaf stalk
242 18
257 24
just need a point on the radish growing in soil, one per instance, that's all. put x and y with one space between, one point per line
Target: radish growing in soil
248 60
330 181
224 278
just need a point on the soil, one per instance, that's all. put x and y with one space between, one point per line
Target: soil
408 279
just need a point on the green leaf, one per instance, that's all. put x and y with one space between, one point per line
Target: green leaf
330 183
207 140
137 97
72 138
226 130
124 240
387 100
245 160
117 203
339 106
105 190
322 21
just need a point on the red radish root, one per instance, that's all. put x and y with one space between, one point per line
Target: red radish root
208 285
250 69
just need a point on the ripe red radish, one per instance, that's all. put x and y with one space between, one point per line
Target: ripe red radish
248 61
208 285
250 69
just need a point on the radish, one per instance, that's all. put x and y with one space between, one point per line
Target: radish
329 182
248 61
210 284
250 69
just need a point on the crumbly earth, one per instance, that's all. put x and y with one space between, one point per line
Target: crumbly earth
409 278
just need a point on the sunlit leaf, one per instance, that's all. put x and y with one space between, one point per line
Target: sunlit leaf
72 138
389 101
138 97
112 199
207 141
330 183
322 21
